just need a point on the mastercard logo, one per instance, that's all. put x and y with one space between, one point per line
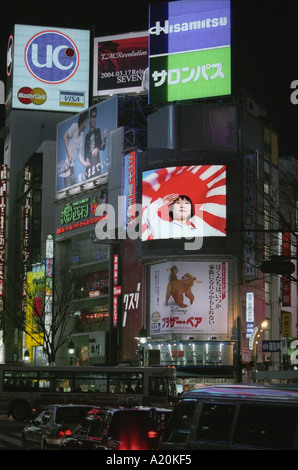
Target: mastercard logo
27 95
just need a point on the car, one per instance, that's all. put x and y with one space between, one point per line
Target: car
51 425
234 417
131 428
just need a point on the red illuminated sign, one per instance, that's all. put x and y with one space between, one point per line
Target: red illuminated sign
116 289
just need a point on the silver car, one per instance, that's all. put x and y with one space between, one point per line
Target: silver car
53 424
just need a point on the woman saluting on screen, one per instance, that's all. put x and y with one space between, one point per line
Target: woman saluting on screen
172 216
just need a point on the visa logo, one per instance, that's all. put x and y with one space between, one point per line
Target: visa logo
72 99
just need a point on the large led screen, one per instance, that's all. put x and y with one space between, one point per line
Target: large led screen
83 144
50 68
120 64
184 202
187 297
190 56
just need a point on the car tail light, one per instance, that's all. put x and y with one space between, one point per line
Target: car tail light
64 433
152 434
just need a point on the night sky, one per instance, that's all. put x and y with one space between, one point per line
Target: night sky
264 45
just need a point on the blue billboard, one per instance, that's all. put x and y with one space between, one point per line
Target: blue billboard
189 50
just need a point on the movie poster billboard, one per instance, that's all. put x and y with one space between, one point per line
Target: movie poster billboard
188 297
184 202
120 63
83 144
190 50
49 68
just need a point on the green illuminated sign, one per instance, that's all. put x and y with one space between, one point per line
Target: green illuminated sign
191 75
84 208
75 211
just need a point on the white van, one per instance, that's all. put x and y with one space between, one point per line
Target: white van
234 417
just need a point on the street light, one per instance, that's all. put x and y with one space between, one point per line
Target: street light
27 356
142 338
71 351
71 348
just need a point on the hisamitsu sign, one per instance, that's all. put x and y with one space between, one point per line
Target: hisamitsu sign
190 53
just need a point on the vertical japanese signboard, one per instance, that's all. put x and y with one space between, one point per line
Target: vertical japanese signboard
249 216
129 190
286 321
116 289
49 282
33 306
189 298
285 280
3 192
250 313
190 50
26 233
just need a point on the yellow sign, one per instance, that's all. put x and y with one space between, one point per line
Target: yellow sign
34 302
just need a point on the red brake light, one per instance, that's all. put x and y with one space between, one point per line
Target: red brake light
64 433
152 434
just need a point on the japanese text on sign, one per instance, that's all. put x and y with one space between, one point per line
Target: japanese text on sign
187 74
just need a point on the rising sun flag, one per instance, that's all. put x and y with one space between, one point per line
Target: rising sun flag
205 185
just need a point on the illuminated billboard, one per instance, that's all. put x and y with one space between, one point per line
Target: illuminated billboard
49 68
83 144
35 306
120 63
187 297
129 187
190 50
184 202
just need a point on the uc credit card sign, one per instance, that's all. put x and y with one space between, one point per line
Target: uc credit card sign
50 68
190 50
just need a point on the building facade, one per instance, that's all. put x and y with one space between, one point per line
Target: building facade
145 287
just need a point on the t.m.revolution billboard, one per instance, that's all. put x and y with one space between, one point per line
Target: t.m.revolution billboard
120 64
189 50
49 68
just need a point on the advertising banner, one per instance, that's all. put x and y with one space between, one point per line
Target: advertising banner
82 213
286 284
129 187
249 201
49 68
199 193
189 298
83 144
189 44
35 299
3 195
120 63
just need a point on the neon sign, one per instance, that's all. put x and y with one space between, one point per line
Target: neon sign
81 213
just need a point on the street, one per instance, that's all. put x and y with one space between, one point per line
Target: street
10 433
